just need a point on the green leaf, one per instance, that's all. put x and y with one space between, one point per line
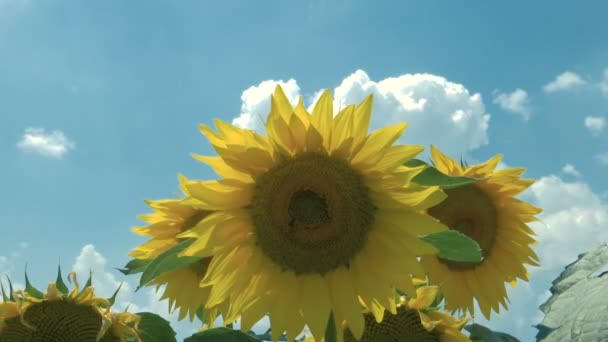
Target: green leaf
61 286
331 335
576 310
135 266
200 312
221 334
479 333
433 177
415 163
31 290
454 246
153 328
168 261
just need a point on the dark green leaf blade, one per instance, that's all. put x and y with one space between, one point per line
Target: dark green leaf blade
135 266
430 176
153 328
221 334
454 246
168 261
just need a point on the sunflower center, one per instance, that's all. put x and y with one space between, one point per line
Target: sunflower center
57 320
469 210
312 213
404 326
307 210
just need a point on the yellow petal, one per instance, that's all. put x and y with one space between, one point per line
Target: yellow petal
444 163
345 301
377 144
279 106
483 169
315 303
425 295
221 194
362 116
322 116
222 169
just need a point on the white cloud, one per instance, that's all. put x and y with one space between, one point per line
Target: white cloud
516 102
569 169
564 81
54 144
104 282
603 85
602 158
438 111
595 124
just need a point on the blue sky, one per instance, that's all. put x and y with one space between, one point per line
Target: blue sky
100 103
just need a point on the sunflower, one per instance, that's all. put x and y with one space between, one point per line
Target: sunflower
415 320
62 317
172 217
487 212
310 218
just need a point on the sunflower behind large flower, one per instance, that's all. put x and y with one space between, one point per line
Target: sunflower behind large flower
415 320
63 317
172 217
310 218
487 212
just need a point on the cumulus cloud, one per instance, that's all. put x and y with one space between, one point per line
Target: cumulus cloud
595 124
602 158
54 144
438 111
569 169
516 102
564 81
104 282
603 85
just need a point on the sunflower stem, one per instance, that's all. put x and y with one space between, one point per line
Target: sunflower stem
331 335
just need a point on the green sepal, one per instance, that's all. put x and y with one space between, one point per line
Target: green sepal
221 334
112 299
430 176
454 246
135 266
200 312
4 297
31 290
167 261
61 286
153 328
10 289
89 281
331 335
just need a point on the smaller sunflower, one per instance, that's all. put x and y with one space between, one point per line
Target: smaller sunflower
172 217
60 316
416 320
487 212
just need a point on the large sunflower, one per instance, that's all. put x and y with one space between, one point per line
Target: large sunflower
487 212
172 217
310 218
58 316
415 320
